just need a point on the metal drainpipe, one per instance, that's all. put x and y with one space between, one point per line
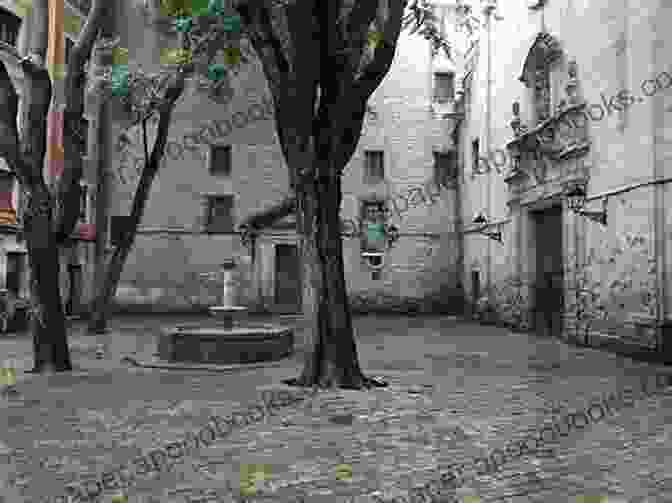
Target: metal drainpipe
659 218
487 11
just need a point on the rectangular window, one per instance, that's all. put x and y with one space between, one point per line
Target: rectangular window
14 272
374 170
9 27
475 154
219 214
83 199
85 134
119 226
444 87
445 168
372 222
220 160
69 44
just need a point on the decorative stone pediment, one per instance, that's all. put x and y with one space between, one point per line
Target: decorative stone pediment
561 137
545 50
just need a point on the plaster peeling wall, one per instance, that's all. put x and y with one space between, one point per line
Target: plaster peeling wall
614 291
609 277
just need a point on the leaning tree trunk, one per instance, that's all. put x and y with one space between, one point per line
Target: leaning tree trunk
115 266
47 317
102 302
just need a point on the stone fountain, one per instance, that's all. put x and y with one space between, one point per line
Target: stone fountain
232 339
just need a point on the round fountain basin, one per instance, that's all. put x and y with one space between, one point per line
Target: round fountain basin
222 345
227 314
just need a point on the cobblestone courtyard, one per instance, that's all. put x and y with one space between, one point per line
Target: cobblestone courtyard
457 390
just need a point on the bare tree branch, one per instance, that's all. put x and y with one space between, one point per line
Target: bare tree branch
174 90
283 59
260 32
69 189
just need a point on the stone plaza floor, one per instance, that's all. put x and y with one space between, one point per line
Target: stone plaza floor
457 390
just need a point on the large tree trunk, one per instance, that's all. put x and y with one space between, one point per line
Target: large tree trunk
331 360
47 318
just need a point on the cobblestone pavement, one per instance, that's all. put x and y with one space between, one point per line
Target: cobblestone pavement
456 391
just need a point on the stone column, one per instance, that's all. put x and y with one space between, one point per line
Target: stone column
230 285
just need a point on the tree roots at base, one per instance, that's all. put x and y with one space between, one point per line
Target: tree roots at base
353 384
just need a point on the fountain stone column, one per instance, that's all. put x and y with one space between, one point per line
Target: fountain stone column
228 310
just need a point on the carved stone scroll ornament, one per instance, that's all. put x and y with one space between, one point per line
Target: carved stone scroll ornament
544 52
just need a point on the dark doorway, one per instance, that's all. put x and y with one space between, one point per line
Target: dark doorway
287 279
14 272
475 290
74 303
549 283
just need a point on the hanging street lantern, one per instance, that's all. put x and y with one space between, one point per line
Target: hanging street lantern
576 197
375 234
482 222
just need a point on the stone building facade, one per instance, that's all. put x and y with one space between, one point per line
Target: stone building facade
590 82
226 152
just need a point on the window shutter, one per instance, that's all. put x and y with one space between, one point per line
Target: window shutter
445 168
119 225
218 213
374 169
83 196
220 160
444 87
